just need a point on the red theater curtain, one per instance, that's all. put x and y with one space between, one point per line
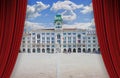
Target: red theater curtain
12 17
107 20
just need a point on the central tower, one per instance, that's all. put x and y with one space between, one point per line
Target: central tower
58 22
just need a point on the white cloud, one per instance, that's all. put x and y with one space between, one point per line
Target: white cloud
86 25
34 10
87 9
65 5
78 25
93 24
68 15
33 26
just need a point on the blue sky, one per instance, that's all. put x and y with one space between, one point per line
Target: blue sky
42 12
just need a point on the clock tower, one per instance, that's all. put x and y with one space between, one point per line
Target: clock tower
58 22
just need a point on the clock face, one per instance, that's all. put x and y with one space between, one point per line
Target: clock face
58 23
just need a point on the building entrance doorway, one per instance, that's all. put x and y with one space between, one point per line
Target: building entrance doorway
69 50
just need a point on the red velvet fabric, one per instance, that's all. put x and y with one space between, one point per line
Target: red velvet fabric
107 20
12 17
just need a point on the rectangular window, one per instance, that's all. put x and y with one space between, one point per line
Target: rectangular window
79 41
83 45
59 41
48 38
74 38
38 45
43 41
69 45
74 33
64 41
43 33
33 41
64 33
89 45
52 33
78 45
64 38
69 38
89 41
69 41
88 37
48 33
83 33
84 38
53 38
33 38
48 45
52 45
28 45
74 45
64 45
43 45
69 33
52 41
48 41
83 41
23 38
23 45
23 41
38 36
93 37
94 41
28 41
74 41
33 33
33 45
38 41
43 38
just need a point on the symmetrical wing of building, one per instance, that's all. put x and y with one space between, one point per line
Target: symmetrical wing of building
59 40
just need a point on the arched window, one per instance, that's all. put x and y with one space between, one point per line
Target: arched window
43 50
48 50
38 36
89 50
58 36
79 50
52 50
64 50
38 50
94 50
33 50
74 50
28 50
69 50
23 49
79 36
84 50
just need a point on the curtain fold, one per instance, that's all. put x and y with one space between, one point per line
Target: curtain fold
12 17
107 20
